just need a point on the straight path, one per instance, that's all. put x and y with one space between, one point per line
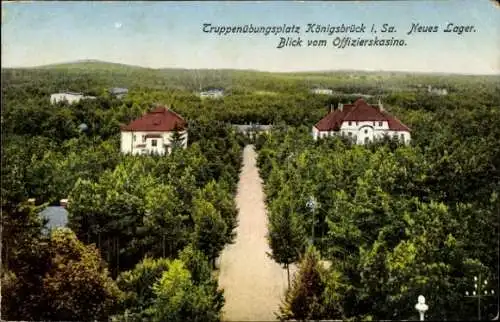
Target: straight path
253 284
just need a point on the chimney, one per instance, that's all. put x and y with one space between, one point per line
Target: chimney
380 106
341 106
63 203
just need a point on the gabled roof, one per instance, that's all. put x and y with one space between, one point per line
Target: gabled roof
161 119
360 111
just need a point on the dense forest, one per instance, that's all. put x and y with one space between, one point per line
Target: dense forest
136 222
394 221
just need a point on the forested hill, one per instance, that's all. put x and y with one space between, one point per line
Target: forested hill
249 96
90 74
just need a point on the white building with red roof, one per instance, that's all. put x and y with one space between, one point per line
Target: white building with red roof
153 132
361 122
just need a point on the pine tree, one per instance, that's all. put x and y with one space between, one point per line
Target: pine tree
210 230
286 236
305 299
177 141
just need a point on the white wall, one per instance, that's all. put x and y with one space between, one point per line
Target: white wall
129 143
357 125
323 91
315 133
358 132
126 142
406 135
70 98
211 94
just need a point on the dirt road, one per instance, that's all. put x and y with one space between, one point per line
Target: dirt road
253 283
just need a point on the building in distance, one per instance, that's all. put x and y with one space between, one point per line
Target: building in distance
322 91
155 132
213 93
362 123
118 92
70 97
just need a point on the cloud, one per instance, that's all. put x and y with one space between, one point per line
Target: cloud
118 25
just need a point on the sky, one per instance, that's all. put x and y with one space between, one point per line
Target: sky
170 35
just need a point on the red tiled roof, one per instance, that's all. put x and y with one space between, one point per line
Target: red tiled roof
360 111
395 124
161 119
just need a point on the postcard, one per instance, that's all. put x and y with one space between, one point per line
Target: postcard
250 160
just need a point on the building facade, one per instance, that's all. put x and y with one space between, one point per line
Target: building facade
322 91
153 133
252 130
361 122
118 92
213 93
70 97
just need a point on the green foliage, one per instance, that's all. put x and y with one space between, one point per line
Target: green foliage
177 140
305 299
60 279
286 235
214 193
178 299
21 228
137 287
146 206
210 230
166 290
397 221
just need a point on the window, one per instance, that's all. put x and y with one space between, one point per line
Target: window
373 123
366 140
154 143
379 123
349 133
402 137
144 138
366 131
349 123
134 137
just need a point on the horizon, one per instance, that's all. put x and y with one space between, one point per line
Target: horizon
169 35
97 61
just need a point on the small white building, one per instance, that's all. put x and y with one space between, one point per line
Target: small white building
118 92
437 91
212 93
152 133
70 97
322 91
252 130
362 123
